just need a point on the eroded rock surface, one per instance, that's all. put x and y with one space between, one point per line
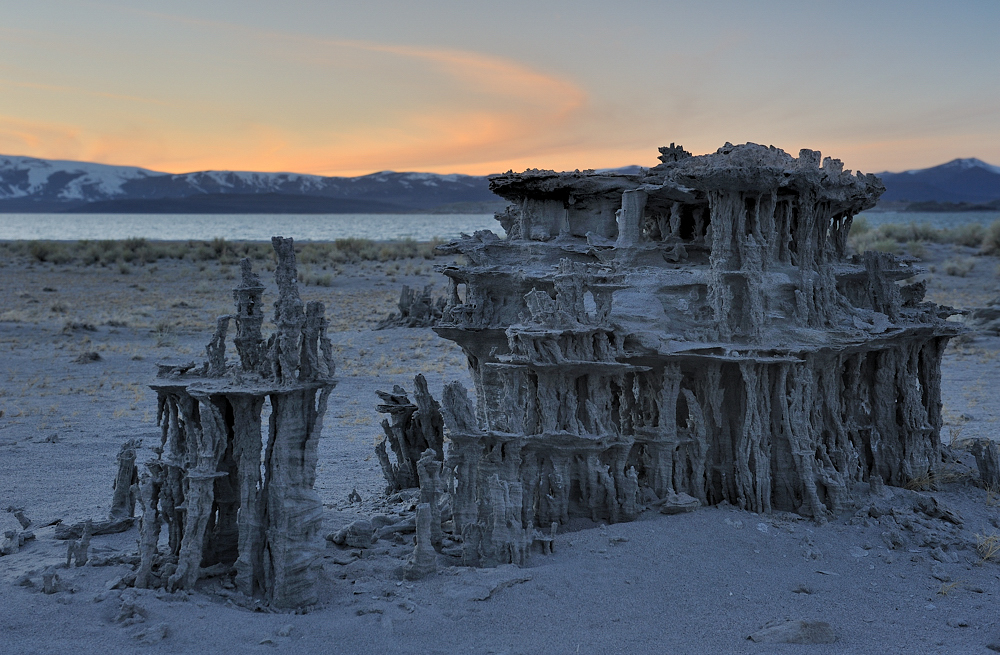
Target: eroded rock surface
411 428
696 331
415 309
219 503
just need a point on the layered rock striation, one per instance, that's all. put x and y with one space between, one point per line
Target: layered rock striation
698 329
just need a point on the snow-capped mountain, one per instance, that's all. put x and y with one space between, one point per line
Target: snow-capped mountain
962 165
960 180
24 177
40 185
28 184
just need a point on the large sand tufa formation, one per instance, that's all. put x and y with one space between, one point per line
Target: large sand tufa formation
207 483
692 334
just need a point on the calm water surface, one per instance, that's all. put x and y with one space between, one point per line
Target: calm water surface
935 219
242 227
322 227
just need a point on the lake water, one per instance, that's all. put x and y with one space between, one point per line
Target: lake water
935 219
321 227
242 227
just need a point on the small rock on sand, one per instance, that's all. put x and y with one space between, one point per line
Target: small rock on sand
676 503
795 632
152 634
356 535
938 571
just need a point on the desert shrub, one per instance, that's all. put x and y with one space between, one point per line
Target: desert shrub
991 239
40 250
959 267
966 235
873 240
349 251
218 246
863 236
356 249
309 278
135 250
201 252
141 251
911 232
89 253
250 249
916 249
886 245
859 226
52 252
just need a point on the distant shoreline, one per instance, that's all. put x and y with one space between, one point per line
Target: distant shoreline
248 204
242 227
272 204
933 207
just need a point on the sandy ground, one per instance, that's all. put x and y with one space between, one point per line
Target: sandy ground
694 583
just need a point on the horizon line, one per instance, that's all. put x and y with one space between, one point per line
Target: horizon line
404 172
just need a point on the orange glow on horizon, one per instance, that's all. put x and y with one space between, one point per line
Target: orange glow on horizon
466 137
464 112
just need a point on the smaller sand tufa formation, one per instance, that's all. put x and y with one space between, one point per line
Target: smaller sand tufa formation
691 334
414 428
207 484
415 310
126 491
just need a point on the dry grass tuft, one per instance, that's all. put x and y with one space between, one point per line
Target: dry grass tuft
992 496
934 480
948 587
988 547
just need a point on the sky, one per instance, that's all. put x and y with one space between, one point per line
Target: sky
347 88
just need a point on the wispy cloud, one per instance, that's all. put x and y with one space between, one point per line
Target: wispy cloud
460 108
503 108
39 139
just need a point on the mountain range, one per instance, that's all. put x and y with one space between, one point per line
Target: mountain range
966 182
41 185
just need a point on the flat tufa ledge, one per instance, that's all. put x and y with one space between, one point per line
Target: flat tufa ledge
222 512
694 333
